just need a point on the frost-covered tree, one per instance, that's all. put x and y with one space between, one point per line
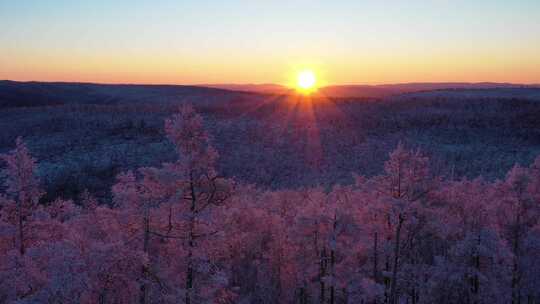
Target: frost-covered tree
402 193
198 186
22 190
518 213
176 203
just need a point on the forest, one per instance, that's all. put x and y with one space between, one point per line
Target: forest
84 135
181 231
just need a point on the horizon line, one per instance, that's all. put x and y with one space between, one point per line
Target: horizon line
274 84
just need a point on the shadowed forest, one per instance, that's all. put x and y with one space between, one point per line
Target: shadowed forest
86 134
194 195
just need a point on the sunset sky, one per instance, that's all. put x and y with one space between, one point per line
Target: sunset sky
198 42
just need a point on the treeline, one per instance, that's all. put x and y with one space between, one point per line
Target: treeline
182 233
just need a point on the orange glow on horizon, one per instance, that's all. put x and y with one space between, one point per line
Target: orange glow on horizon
269 42
188 70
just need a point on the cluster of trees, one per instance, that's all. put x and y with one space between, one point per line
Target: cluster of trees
181 233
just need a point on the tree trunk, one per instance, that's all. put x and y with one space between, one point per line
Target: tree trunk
386 279
322 275
375 258
332 286
345 295
516 290
170 225
189 273
278 275
333 262
191 242
393 286
146 237
413 260
516 275
302 296
475 281
21 231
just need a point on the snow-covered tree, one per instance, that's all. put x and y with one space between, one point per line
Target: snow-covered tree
22 190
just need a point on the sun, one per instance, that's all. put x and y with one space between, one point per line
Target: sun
306 81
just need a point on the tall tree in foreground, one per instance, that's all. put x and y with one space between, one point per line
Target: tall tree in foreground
172 207
404 189
199 186
22 189
518 215
132 195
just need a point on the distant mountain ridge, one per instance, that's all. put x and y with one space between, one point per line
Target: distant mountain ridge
268 88
33 93
24 94
375 91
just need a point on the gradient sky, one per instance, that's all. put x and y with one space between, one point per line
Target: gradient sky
194 42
